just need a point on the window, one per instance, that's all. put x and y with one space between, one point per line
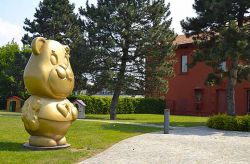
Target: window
223 66
184 67
248 101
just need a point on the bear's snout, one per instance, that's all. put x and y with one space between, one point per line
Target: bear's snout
61 72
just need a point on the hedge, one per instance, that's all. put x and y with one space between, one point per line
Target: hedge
126 105
225 122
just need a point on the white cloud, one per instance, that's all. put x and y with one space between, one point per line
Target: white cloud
10 31
180 9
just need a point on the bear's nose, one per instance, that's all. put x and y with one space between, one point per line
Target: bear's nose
61 72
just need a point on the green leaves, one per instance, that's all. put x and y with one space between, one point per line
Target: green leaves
221 32
53 20
12 63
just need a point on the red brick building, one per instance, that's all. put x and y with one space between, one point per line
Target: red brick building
14 104
187 93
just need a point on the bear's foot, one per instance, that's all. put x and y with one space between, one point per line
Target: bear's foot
42 141
62 141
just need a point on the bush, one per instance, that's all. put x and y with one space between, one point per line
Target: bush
247 118
150 106
126 105
242 123
216 122
230 123
225 122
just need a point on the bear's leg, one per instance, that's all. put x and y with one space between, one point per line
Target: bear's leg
42 141
62 141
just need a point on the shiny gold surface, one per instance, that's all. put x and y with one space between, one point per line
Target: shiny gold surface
47 114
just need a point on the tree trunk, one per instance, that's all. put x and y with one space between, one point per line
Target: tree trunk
118 87
114 103
232 80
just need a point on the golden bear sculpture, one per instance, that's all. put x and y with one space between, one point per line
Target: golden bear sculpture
47 114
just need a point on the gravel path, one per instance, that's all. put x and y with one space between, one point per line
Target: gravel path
195 145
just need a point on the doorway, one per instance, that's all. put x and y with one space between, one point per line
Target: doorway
248 101
12 107
221 101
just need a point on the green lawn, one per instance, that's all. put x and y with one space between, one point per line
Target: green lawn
86 139
186 121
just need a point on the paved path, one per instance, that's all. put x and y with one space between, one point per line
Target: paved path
196 145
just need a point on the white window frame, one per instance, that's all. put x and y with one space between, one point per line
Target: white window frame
184 62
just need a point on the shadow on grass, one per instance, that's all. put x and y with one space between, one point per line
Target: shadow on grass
125 119
187 124
107 118
12 146
128 128
10 115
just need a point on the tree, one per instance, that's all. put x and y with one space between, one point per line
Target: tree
122 35
56 20
221 32
12 64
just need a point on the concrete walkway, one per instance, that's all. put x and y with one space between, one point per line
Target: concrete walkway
195 145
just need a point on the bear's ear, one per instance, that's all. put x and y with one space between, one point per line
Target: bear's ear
67 49
37 44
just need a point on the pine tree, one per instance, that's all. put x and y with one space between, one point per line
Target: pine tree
56 20
122 35
53 20
221 32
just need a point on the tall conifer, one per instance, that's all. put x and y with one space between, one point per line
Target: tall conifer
124 34
221 31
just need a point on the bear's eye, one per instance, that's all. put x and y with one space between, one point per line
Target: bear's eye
66 61
53 59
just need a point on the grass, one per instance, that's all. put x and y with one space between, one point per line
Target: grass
158 119
183 121
86 139
4 113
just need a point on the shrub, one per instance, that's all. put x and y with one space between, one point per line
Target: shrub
242 123
216 122
126 105
230 123
247 118
150 106
225 122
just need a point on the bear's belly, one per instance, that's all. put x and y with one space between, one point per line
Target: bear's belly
52 129
55 110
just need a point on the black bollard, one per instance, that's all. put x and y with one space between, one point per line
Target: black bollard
166 121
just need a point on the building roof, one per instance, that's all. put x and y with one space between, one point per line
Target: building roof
15 97
182 39
79 102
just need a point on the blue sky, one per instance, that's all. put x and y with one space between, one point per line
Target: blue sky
14 12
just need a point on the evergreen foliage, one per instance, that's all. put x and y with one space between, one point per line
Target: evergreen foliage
221 32
53 20
128 39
